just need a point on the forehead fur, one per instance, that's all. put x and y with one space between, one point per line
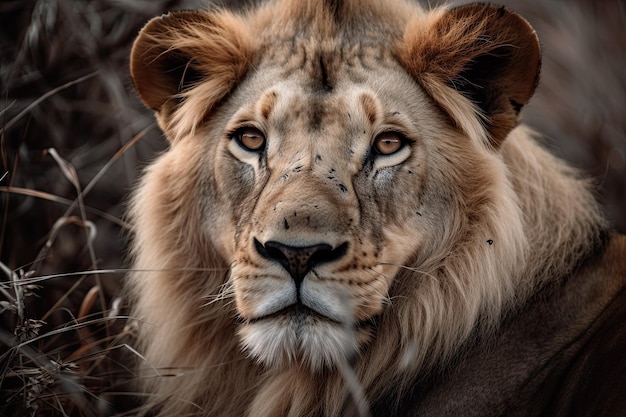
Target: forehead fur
322 38
356 21
327 34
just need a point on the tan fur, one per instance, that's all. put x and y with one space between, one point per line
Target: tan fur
444 238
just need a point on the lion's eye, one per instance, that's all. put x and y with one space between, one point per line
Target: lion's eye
388 143
250 139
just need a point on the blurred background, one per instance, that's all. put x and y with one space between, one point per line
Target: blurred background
74 138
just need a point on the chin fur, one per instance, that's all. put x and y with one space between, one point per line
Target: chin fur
280 342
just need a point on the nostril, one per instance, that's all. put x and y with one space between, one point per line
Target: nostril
274 252
299 260
325 255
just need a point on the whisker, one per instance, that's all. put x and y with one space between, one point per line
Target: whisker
226 292
411 269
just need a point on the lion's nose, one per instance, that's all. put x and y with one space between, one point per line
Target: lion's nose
299 260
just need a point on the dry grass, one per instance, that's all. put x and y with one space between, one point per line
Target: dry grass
74 138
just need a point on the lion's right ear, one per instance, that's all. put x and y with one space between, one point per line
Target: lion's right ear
186 49
487 53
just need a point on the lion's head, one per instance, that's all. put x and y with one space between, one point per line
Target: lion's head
346 166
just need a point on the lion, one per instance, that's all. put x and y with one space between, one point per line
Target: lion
351 220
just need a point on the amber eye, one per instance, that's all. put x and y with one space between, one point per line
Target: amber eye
388 143
250 139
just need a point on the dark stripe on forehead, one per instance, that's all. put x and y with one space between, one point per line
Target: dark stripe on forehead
317 113
322 71
334 8
326 84
323 111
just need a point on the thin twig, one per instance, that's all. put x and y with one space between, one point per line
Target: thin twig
34 280
44 97
66 201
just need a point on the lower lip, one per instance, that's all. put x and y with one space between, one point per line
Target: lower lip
294 311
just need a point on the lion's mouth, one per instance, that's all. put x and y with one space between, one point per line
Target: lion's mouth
296 312
300 313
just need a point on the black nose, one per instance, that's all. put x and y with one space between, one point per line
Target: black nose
299 260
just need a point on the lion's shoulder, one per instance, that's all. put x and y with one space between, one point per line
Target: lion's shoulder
553 357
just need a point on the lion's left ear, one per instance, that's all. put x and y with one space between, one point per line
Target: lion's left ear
186 49
488 53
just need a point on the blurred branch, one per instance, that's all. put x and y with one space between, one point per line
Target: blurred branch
66 201
43 98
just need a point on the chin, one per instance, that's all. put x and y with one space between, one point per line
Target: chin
300 336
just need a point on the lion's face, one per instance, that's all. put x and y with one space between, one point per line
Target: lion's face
323 183
340 174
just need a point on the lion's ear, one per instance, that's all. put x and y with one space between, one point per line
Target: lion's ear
488 53
183 49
